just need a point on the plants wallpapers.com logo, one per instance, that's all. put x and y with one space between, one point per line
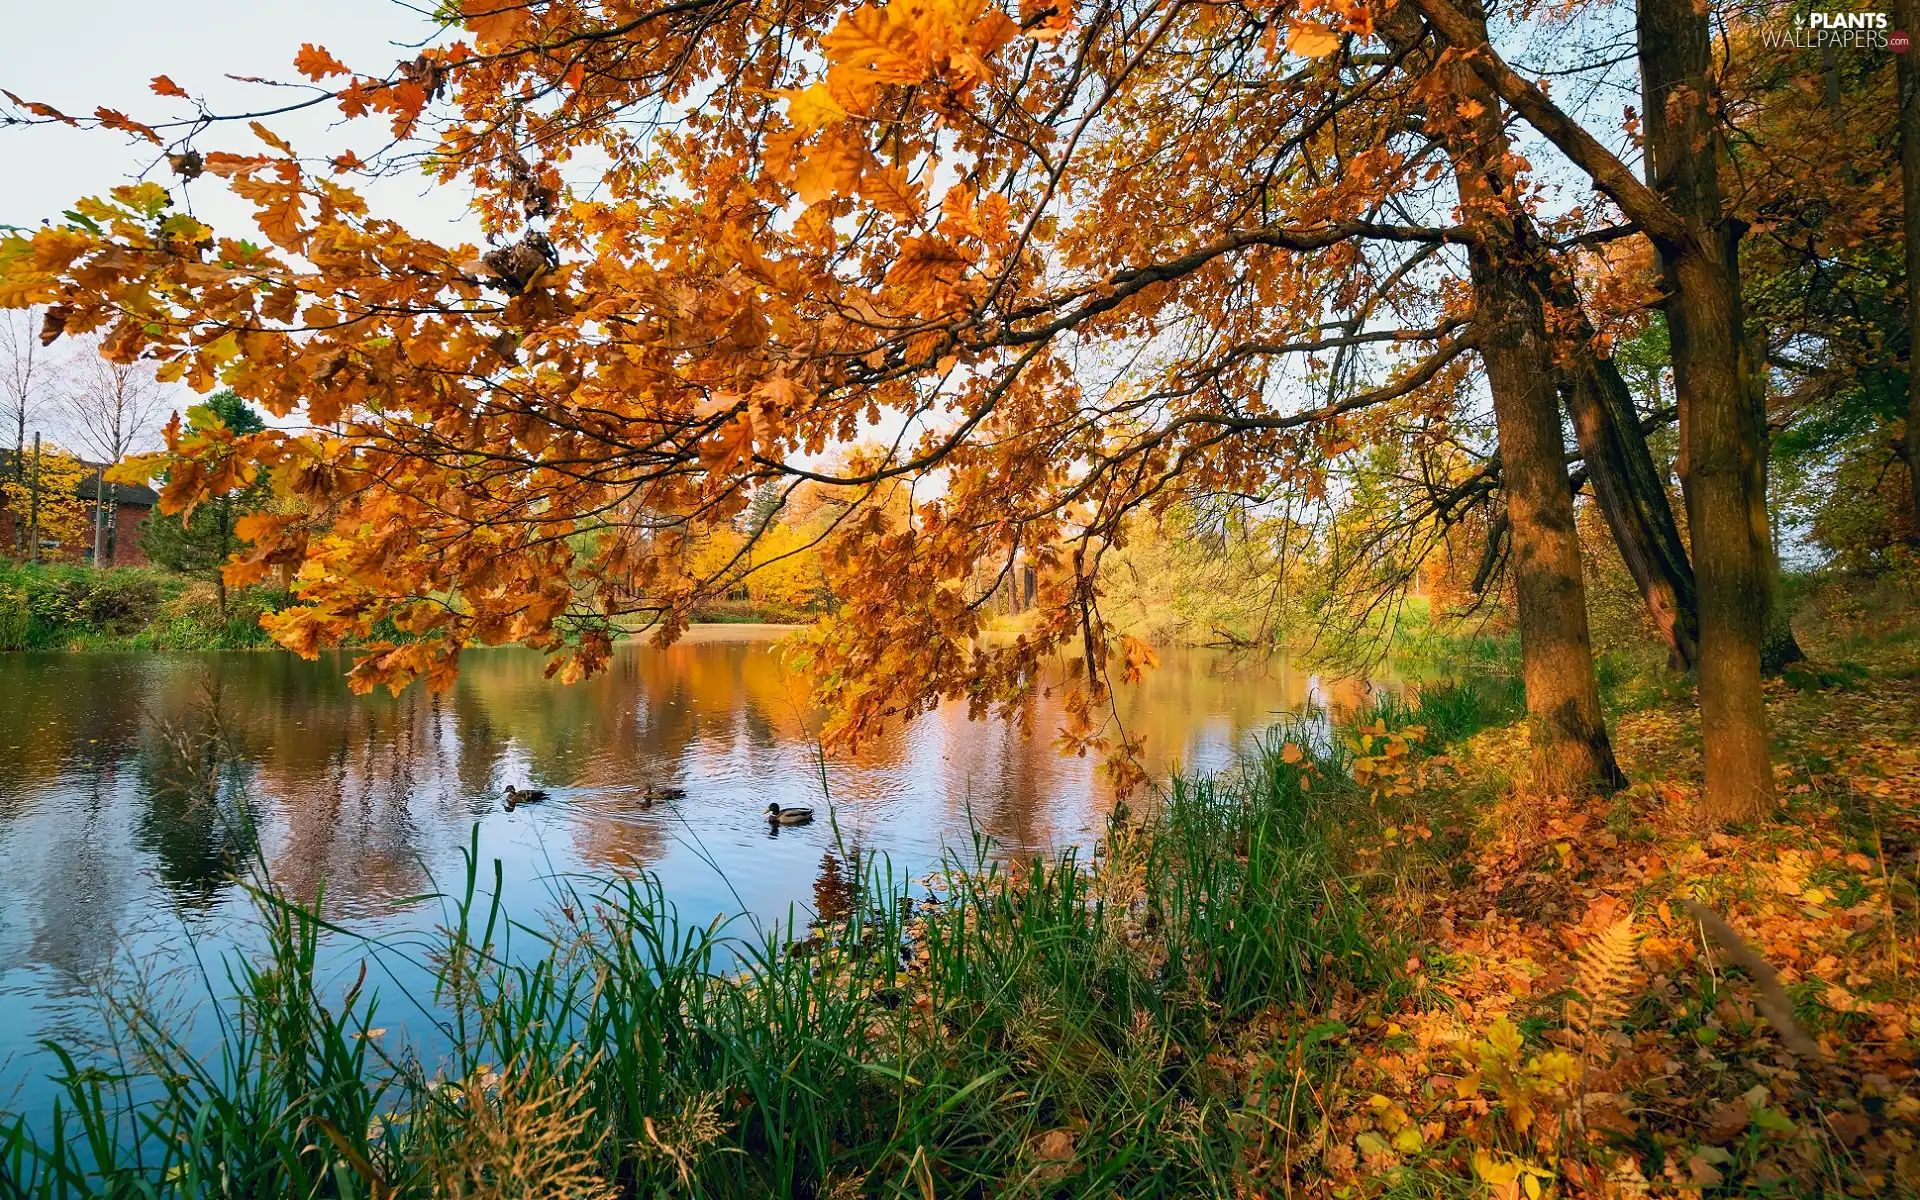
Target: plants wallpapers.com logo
1837 31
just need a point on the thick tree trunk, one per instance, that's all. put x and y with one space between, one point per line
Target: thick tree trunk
1909 73
1719 442
1571 754
1626 482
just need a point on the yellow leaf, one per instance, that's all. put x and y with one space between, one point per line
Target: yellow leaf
813 107
1496 1173
1503 1037
832 169
862 38
889 188
1310 39
269 137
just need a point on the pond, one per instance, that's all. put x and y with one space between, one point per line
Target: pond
120 823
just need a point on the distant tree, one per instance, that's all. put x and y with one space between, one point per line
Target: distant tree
109 409
47 494
205 539
23 382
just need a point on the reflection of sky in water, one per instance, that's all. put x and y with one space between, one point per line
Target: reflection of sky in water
101 867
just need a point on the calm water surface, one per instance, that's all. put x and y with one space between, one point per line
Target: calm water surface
105 866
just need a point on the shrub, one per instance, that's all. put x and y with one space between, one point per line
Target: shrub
60 605
15 618
118 601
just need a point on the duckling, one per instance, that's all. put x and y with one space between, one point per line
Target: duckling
517 797
788 816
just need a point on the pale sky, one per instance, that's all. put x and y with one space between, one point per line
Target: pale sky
107 52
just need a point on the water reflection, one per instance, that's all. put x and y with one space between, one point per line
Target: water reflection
130 787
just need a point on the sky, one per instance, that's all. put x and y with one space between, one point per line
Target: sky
108 55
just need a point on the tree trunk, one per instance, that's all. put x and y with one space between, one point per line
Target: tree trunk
1778 646
99 516
1571 754
1909 20
33 506
1626 482
20 471
1719 442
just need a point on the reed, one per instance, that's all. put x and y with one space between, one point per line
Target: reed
1147 1021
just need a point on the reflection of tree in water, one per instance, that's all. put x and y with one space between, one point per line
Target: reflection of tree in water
87 877
1017 817
195 780
354 826
836 890
479 744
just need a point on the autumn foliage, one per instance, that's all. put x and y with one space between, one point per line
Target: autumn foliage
996 279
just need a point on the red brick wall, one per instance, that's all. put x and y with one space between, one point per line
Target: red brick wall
126 547
126 542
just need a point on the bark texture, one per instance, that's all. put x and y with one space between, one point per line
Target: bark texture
1909 18
1721 436
1626 482
1571 753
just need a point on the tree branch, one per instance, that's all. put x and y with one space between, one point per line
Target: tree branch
1638 201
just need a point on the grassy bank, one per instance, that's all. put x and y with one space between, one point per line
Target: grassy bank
49 606
1355 966
1027 1030
61 607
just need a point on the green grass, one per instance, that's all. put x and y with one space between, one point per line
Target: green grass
1152 1022
1448 710
56 606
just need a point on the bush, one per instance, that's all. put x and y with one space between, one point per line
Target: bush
15 619
48 606
118 601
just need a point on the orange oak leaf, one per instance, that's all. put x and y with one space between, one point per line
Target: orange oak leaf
316 63
496 24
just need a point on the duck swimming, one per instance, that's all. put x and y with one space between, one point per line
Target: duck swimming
788 816
516 797
661 795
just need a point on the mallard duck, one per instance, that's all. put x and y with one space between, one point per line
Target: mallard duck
788 816
516 797
661 795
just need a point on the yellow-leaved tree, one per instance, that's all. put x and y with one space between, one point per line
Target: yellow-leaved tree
51 483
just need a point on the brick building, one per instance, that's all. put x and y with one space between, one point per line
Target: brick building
128 507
